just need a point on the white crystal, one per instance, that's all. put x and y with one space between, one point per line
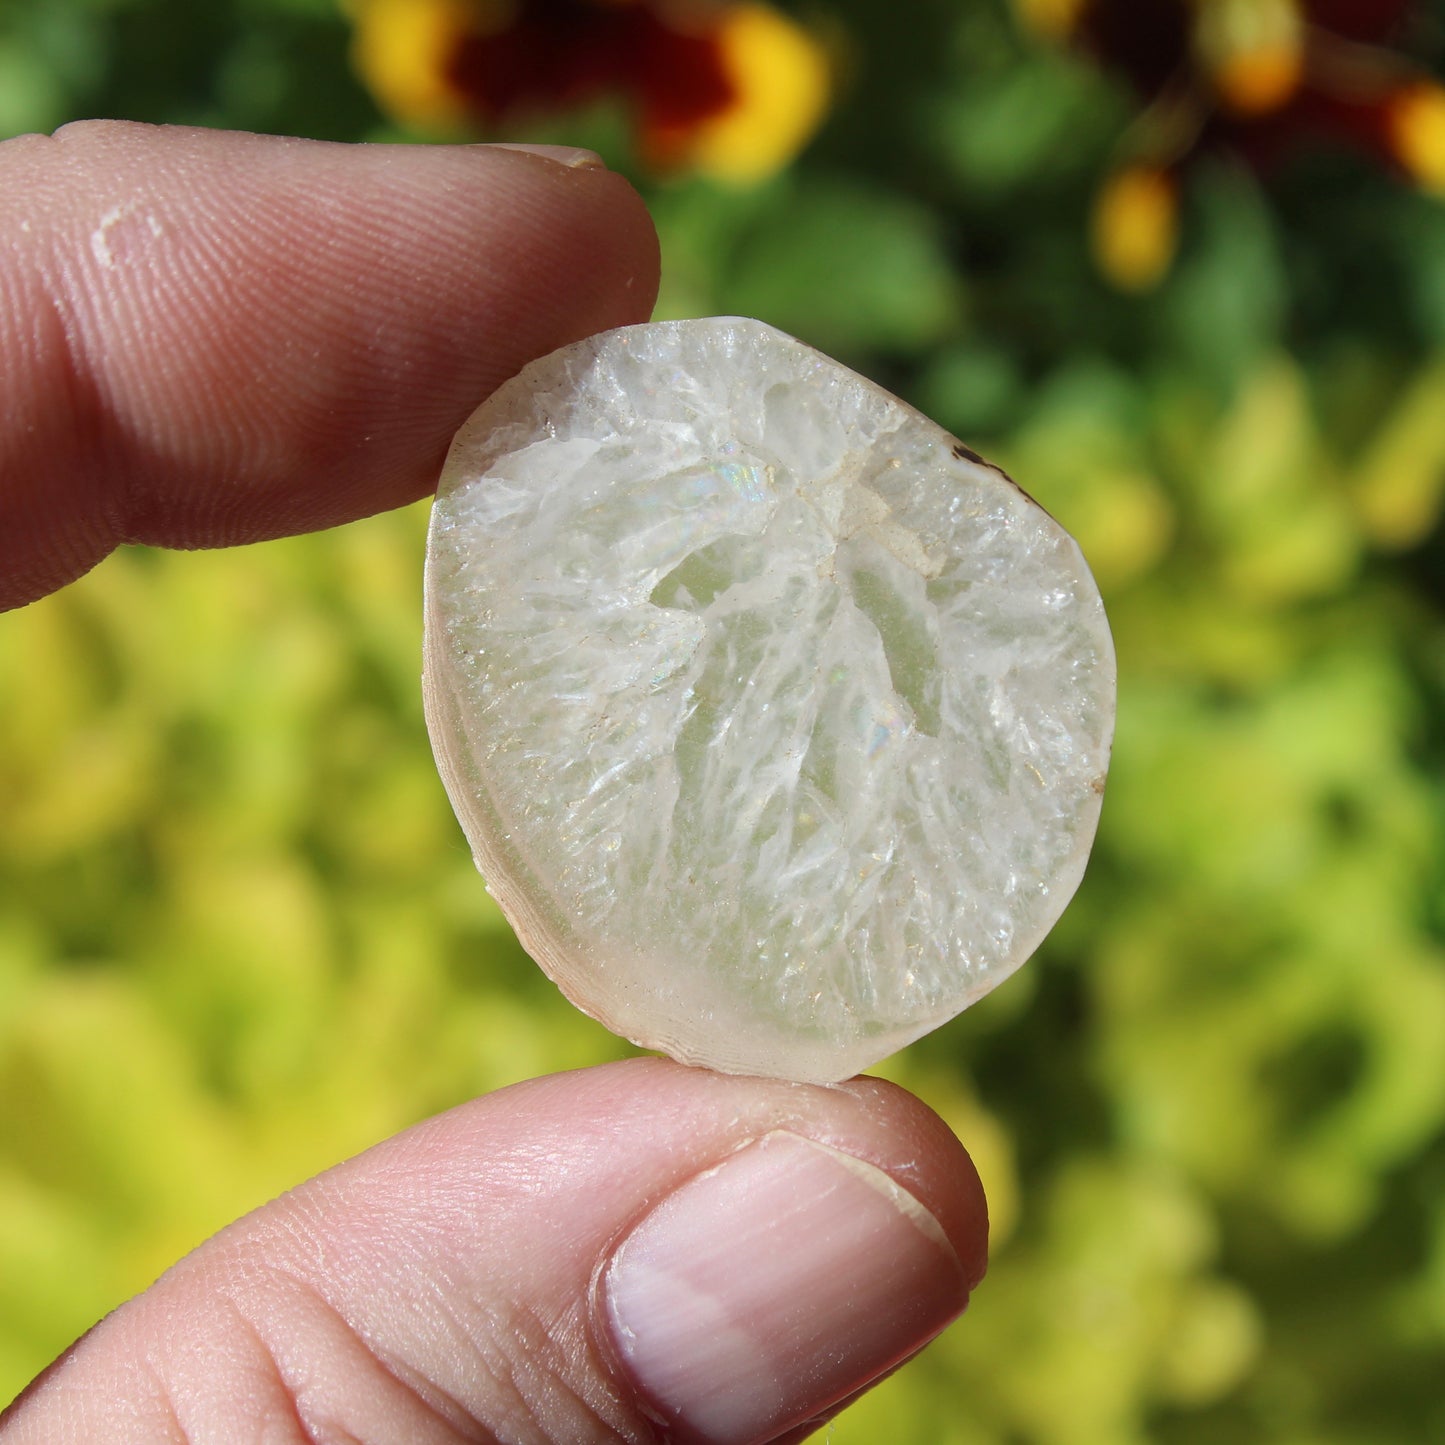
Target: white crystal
776 720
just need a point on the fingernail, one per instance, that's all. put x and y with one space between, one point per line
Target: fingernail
772 1287
573 157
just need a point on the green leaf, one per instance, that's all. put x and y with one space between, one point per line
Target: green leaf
847 267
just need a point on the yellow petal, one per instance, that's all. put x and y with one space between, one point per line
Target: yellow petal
1259 81
1417 134
1136 227
1055 19
1252 51
782 81
401 50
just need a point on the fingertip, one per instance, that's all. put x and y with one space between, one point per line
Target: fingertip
774 1285
602 1251
217 337
927 1158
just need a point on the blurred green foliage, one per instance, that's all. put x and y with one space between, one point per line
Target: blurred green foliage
240 935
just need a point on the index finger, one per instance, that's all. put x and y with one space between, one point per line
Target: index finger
209 337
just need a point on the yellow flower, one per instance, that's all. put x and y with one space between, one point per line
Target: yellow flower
1055 19
400 50
780 80
732 90
1256 79
1136 226
1252 51
1416 127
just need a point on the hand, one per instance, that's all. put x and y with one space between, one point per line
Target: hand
212 338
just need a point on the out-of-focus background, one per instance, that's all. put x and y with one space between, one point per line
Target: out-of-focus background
1180 266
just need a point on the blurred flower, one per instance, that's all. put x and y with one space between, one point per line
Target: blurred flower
1257 78
1136 226
1415 122
730 88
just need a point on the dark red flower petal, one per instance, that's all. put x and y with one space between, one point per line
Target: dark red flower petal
1147 41
557 55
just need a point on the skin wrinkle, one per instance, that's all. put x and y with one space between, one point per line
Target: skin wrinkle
165 1400
478 1336
539 1358
535 1362
284 1408
305 1279
419 1398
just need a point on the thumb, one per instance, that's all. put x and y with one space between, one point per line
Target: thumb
635 1252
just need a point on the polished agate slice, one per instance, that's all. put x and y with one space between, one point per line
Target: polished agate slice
777 719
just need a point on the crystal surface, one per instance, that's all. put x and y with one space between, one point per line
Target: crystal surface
776 719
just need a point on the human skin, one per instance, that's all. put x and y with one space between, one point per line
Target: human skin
210 338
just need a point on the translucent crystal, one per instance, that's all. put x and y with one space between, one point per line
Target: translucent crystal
777 720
